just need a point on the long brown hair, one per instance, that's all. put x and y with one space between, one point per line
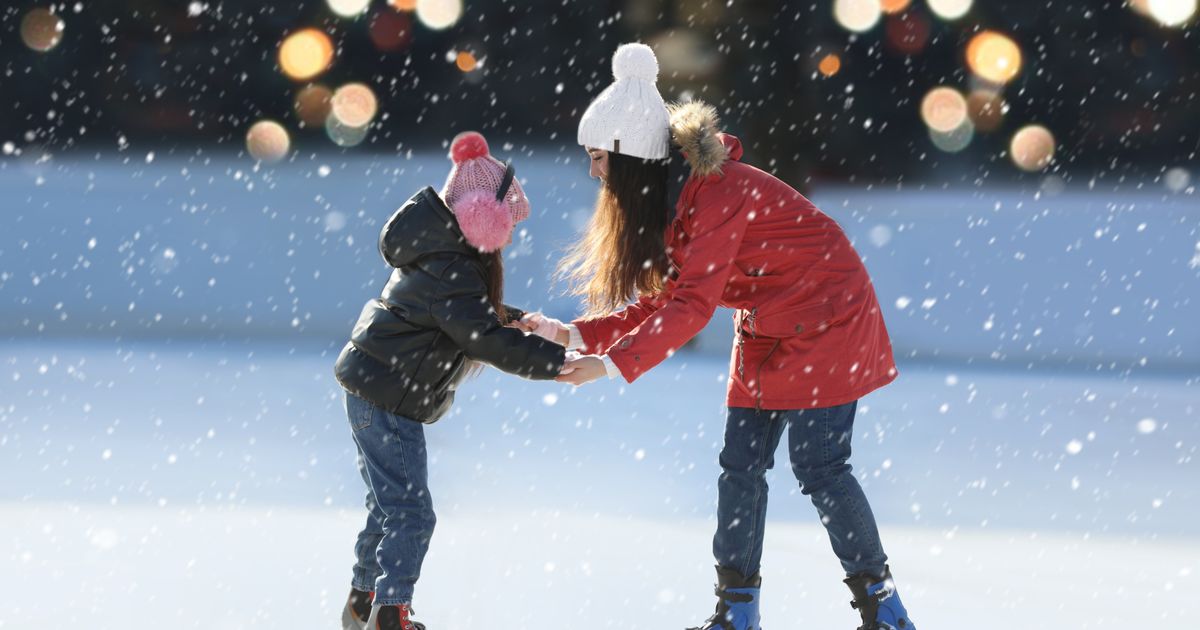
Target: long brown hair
493 271
493 277
623 252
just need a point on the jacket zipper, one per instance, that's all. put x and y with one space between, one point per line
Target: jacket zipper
741 341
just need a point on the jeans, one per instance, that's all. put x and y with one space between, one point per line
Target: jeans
400 519
819 445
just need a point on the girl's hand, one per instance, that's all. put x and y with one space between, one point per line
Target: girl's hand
580 370
545 327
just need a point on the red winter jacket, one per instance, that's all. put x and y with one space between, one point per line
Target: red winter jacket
809 329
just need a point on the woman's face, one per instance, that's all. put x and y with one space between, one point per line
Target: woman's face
599 164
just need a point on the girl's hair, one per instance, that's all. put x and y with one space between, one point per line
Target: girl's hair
493 270
623 252
493 275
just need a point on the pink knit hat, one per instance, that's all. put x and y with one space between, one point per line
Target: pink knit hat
471 192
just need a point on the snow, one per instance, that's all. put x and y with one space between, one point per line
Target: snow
213 485
176 451
1095 278
283 567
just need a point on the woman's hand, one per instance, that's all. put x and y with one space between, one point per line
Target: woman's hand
580 370
545 327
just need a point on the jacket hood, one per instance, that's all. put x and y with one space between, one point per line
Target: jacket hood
422 226
695 130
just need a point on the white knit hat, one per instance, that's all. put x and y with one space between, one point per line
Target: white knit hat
629 116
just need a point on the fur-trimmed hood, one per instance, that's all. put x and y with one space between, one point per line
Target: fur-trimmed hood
695 129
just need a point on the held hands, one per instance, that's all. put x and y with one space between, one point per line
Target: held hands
580 369
545 327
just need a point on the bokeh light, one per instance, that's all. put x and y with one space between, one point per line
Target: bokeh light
986 109
944 109
439 14
348 8
465 61
1032 148
949 9
41 30
1141 6
390 31
894 6
354 105
305 54
954 140
267 141
858 16
684 53
342 134
1172 12
907 34
313 105
994 57
830 64
1176 180
404 5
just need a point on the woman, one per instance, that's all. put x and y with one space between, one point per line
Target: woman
810 335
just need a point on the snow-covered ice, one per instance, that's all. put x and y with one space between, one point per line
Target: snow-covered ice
213 486
174 450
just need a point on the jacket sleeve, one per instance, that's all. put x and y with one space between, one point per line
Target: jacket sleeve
723 209
513 312
600 333
461 310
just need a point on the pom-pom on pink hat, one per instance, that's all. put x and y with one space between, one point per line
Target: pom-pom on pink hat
472 193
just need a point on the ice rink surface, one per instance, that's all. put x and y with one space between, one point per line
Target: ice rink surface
213 486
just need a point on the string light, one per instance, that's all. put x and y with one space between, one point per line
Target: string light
949 9
1032 148
305 54
267 141
313 104
954 140
944 109
41 30
354 105
858 16
348 8
994 57
1172 12
439 14
830 64
986 109
465 61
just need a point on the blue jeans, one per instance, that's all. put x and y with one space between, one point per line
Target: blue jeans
819 445
400 519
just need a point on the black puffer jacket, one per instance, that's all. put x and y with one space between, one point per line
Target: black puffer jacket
409 347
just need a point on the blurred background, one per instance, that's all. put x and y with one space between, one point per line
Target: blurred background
830 91
190 197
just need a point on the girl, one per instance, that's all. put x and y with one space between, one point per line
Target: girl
810 335
440 309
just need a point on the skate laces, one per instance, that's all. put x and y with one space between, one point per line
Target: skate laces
869 606
405 622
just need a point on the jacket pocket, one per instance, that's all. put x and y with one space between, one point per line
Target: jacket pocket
802 322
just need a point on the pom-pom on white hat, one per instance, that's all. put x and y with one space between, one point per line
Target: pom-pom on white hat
629 116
